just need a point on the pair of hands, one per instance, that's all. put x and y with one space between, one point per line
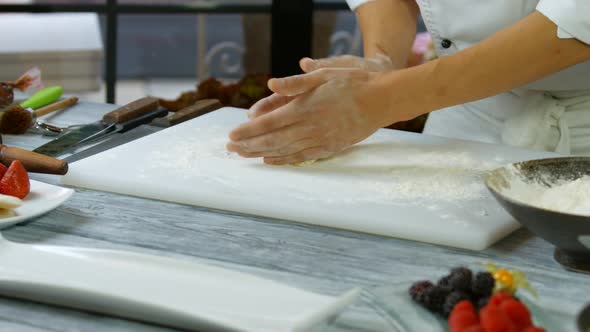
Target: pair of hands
333 105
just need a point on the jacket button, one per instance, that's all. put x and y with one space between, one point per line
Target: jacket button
445 43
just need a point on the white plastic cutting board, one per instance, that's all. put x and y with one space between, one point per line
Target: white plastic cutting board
394 183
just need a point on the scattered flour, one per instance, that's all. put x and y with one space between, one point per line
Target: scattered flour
379 170
563 196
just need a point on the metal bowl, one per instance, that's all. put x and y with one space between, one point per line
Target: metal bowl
569 233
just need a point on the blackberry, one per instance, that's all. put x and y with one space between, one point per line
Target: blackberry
434 298
417 290
483 284
461 270
452 299
460 279
444 281
482 302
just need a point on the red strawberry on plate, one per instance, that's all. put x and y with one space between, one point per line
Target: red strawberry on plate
2 170
495 320
498 298
474 328
518 313
462 317
15 181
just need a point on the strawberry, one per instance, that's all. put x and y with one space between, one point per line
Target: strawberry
15 181
518 313
463 305
459 321
534 329
494 320
474 328
2 170
498 298
462 316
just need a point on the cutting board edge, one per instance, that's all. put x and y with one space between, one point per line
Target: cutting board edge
478 241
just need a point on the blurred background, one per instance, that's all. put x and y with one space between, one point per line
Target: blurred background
165 47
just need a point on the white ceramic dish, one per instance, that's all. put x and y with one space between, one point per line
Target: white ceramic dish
172 292
42 199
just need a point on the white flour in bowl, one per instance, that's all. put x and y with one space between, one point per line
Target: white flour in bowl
564 196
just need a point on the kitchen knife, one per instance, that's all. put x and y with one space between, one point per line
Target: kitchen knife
125 126
110 122
201 107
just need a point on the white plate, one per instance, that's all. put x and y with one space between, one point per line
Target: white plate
42 199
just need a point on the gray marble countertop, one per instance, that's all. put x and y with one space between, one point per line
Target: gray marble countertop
314 258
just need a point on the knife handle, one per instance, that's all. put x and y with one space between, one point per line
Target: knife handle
144 119
32 161
132 110
201 107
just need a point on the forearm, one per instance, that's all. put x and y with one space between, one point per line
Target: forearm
524 52
388 27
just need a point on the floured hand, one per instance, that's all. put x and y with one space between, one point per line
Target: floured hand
312 116
378 63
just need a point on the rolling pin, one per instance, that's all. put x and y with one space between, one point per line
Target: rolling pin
32 161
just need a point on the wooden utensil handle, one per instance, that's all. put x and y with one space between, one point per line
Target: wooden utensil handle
58 105
201 107
32 161
131 110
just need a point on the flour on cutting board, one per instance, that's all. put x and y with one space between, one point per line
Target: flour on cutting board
399 184
377 169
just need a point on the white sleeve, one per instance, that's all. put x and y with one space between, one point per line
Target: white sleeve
354 4
572 17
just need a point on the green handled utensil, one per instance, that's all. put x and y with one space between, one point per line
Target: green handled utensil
43 97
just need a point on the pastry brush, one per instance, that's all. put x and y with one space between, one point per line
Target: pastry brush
19 117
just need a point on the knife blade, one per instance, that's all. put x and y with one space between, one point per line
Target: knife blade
114 141
106 125
124 126
201 107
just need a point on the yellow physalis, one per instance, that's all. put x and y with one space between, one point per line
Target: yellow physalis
504 277
509 280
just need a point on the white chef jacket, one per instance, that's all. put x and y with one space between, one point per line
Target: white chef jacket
551 114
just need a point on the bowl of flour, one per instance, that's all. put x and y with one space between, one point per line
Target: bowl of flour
550 197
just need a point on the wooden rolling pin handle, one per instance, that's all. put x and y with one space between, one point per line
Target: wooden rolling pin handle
56 106
32 161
